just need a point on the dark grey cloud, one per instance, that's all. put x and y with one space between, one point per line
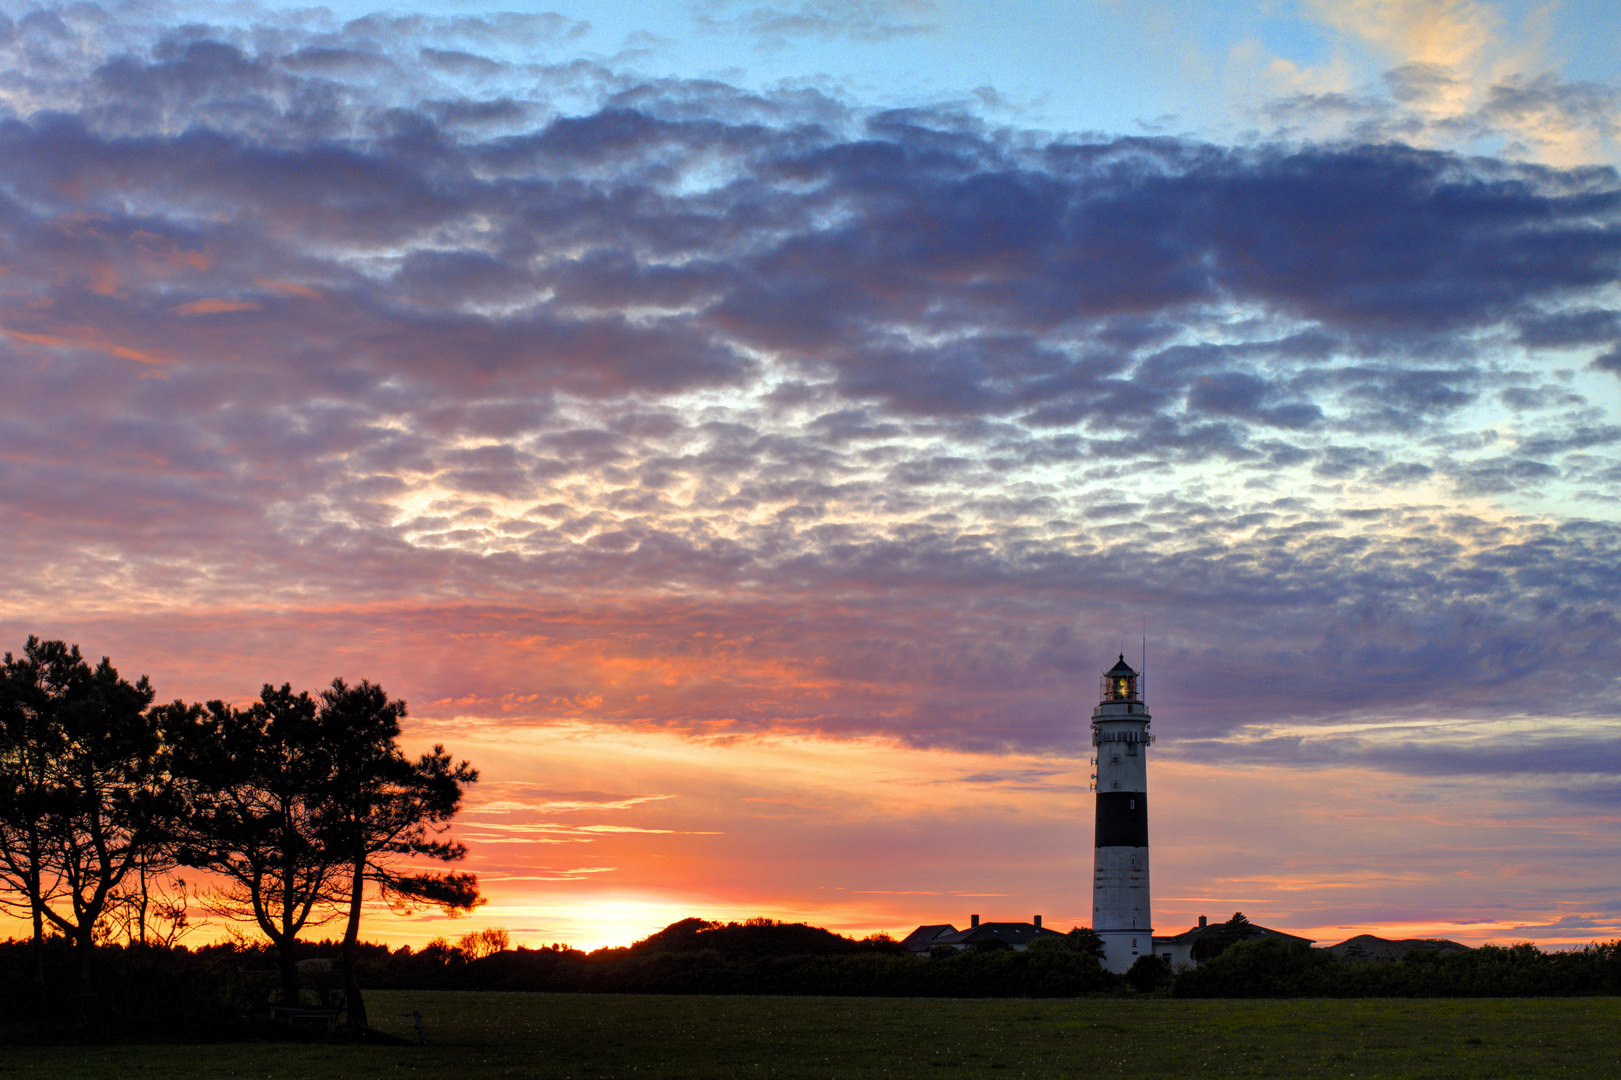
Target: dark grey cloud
1586 326
1235 393
1015 258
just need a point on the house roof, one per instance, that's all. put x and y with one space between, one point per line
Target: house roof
1122 668
1188 937
1014 933
920 939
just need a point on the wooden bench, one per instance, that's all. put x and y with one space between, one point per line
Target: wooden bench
322 1019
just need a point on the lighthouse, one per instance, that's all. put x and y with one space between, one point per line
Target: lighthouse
1121 913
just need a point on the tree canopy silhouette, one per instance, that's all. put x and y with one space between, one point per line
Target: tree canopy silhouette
254 782
300 807
82 788
383 808
301 803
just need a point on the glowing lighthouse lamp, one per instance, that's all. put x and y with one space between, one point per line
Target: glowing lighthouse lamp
1121 912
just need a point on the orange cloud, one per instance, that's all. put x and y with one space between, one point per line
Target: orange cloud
86 338
288 288
216 306
162 253
104 279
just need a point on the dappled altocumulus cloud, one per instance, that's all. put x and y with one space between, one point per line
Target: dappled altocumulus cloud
729 412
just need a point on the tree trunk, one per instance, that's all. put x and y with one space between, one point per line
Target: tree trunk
351 947
140 923
39 956
289 972
289 936
84 950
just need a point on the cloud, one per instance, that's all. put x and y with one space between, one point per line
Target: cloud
1576 765
1562 329
1451 32
857 20
740 414
1464 75
1606 923
582 802
216 306
1238 394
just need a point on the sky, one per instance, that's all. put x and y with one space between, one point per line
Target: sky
746 430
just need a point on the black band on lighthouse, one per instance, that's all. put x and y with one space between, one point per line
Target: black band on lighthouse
1122 819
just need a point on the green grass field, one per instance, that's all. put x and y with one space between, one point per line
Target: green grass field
590 1037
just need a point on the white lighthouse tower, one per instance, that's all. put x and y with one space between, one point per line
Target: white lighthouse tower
1121 912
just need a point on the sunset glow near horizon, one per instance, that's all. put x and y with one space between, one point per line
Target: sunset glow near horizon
745 432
